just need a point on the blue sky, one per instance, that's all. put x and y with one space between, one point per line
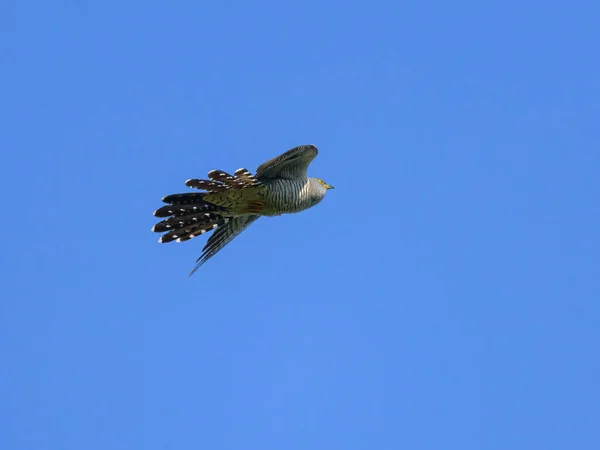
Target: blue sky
444 296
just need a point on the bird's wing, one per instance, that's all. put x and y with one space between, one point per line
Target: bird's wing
222 236
291 164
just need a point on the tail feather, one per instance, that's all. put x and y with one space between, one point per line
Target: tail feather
244 176
185 199
221 181
207 185
182 210
191 230
223 177
179 221
192 214
199 231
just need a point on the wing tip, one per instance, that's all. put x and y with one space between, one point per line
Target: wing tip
196 267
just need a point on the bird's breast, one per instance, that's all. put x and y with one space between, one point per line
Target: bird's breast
288 196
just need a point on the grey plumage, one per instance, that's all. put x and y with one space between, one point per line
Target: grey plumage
231 203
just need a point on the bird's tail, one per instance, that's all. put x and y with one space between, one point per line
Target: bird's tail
186 216
238 194
192 214
222 181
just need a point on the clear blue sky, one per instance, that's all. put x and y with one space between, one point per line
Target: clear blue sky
445 296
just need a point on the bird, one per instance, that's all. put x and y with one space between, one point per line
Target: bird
231 203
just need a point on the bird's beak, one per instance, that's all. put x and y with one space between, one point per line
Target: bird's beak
328 186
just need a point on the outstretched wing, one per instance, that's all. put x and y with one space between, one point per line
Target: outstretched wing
291 164
222 236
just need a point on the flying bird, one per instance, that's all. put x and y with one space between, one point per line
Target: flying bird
230 203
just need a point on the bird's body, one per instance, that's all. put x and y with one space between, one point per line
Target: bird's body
292 196
232 202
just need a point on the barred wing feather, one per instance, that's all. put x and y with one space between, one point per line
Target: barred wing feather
289 165
222 236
